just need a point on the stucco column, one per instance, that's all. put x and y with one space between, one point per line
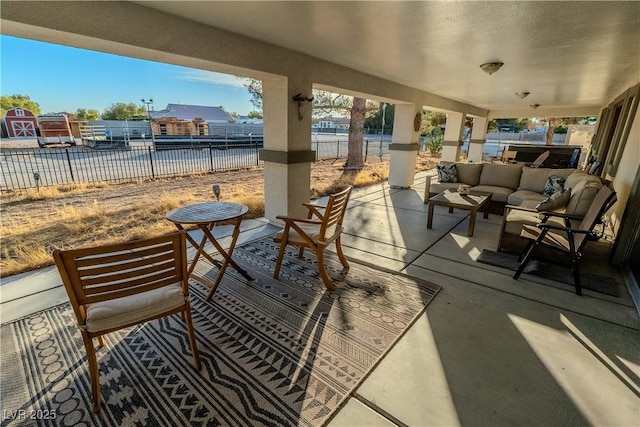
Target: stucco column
404 146
287 151
453 137
477 140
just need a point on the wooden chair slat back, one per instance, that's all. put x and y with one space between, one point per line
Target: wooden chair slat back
113 271
334 213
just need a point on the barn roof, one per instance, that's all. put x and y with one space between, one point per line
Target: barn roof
189 112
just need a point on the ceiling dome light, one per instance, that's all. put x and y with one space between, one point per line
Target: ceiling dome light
491 67
522 95
534 106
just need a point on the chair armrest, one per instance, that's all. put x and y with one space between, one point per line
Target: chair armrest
303 220
560 215
557 227
314 210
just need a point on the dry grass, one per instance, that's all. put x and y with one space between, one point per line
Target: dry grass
36 222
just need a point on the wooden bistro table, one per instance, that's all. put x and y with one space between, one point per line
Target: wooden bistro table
206 216
472 201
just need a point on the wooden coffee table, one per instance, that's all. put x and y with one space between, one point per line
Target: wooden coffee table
473 202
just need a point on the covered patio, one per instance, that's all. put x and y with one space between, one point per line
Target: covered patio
488 350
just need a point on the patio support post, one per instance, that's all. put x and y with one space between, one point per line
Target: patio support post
404 146
453 136
477 140
287 151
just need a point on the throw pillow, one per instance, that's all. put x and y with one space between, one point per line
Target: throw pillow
555 202
447 173
555 184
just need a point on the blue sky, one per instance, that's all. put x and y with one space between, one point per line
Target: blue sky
61 78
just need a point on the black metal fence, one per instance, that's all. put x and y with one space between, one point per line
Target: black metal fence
31 168
22 169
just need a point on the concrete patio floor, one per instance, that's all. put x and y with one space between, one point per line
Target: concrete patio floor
488 351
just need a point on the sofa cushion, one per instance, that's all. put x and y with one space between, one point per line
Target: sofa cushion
469 173
555 202
534 179
555 184
582 195
447 173
500 194
500 175
520 197
576 177
516 218
439 187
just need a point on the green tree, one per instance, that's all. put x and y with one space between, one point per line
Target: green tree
86 114
324 104
374 121
122 111
432 122
254 87
18 101
518 124
254 115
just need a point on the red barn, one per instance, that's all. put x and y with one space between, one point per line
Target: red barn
20 123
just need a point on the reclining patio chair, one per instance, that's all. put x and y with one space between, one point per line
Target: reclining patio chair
316 234
566 239
115 286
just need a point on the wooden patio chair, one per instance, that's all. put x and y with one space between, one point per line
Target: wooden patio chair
115 286
566 239
509 156
316 233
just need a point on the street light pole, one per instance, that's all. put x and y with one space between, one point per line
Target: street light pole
149 104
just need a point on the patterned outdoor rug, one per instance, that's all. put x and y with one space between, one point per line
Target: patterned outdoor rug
285 352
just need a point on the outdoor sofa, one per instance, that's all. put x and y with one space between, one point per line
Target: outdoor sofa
521 193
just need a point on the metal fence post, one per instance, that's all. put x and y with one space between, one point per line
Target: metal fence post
153 174
366 148
66 150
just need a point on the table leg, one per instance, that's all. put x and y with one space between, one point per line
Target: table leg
227 257
486 208
430 216
472 222
199 249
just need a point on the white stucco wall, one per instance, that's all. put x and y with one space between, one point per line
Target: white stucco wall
627 171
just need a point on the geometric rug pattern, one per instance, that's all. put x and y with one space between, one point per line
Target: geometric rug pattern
274 352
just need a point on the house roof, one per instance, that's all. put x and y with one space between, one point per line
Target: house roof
189 112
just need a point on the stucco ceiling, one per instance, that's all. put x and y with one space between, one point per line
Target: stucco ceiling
567 54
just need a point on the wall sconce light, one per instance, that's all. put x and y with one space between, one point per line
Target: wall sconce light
300 99
491 67
522 95
534 106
